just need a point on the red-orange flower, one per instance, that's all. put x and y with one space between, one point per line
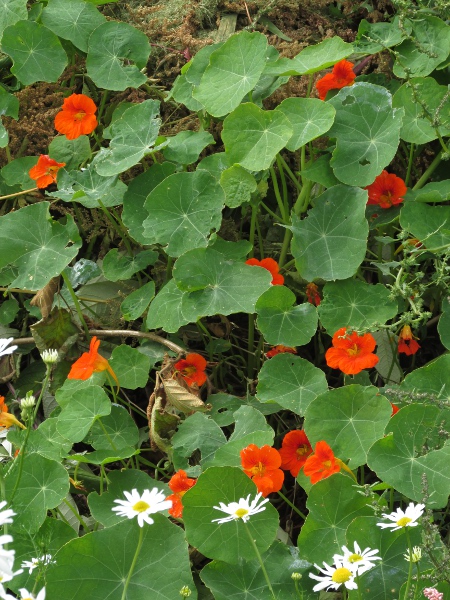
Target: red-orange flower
351 353
192 369
280 349
3 407
263 466
45 170
395 409
180 483
387 190
77 116
312 294
406 342
322 463
294 451
270 265
89 363
341 76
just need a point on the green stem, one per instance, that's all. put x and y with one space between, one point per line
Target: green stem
133 564
299 512
410 161
250 346
285 247
76 304
425 177
276 190
119 229
76 514
105 96
258 556
410 570
283 185
292 177
18 193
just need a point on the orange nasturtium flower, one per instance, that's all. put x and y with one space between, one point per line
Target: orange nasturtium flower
322 463
294 451
351 353
262 465
270 265
180 483
387 190
6 418
406 342
77 116
312 294
89 363
3 407
45 170
280 349
341 76
192 369
395 409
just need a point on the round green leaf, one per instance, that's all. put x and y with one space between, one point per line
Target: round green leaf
121 266
309 119
105 557
282 323
17 172
238 185
331 242
375 37
74 20
36 52
196 433
291 381
228 541
225 406
130 366
165 310
350 419
88 187
185 147
367 132
444 324
137 302
253 136
113 48
72 152
234 69
429 224
117 430
321 172
183 208
12 11
182 91
355 303
9 106
78 415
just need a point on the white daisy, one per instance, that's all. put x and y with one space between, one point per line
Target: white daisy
142 506
3 349
5 515
45 559
335 577
25 595
242 509
401 519
361 560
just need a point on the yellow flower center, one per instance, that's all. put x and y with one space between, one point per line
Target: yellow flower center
341 575
241 512
79 116
403 522
258 469
354 350
326 464
190 370
141 506
354 558
302 450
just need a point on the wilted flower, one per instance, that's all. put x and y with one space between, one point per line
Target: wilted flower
406 342
142 506
401 519
242 509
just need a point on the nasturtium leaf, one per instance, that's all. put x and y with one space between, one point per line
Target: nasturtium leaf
49 432
253 136
57 331
132 136
444 323
238 185
387 366
185 147
321 172
224 407
234 69
309 118
9 106
429 224
134 213
433 379
78 415
291 381
231 250
165 310
121 266
137 302
428 47
282 323
104 557
12 11
105 457
36 52
215 164
181 92
44 485
330 243
117 52
367 132
435 191
64 394
410 452
356 304
37 443
74 20
88 187
196 432
183 208
130 366
413 96
376 37
350 419
72 152
333 503
36 245
227 541
16 172
196 67
8 311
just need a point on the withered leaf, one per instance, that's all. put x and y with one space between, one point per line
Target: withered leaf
182 399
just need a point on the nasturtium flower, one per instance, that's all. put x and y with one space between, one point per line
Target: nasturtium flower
334 577
312 294
341 76
322 463
280 349
358 560
294 451
4 342
270 265
263 466
89 363
8 420
395 409
387 190
77 116
406 342
142 506
179 483
45 170
351 353
192 369
242 509
401 519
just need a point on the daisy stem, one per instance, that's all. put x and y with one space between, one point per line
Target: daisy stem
410 570
76 303
260 560
133 564
299 512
